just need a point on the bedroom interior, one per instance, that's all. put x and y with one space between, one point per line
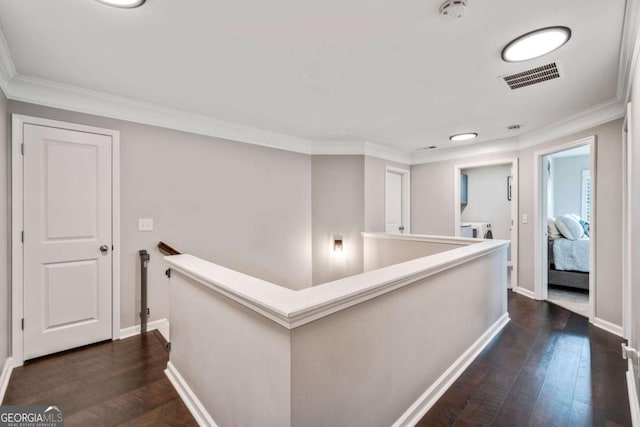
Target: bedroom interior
569 216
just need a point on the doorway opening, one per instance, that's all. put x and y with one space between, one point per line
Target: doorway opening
565 231
486 205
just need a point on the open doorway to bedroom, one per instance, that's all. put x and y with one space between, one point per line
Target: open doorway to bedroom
566 215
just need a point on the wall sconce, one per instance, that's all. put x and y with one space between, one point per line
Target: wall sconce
337 243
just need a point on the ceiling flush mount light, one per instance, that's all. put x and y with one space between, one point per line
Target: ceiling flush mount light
535 44
463 137
128 4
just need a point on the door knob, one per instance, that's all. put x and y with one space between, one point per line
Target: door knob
401 228
104 249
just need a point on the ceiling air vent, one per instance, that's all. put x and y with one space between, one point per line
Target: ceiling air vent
533 76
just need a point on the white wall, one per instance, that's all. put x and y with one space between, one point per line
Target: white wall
246 207
567 184
487 199
360 351
239 205
432 209
382 252
365 365
5 300
337 209
348 195
239 364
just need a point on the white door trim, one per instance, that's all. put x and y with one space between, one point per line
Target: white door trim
540 221
457 170
626 224
406 195
17 194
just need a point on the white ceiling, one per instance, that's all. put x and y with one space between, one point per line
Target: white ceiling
391 73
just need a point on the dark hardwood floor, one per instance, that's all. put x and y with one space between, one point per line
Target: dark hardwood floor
112 383
548 367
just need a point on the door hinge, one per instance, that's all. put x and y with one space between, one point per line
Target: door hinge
22 323
22 236
22 148
168 272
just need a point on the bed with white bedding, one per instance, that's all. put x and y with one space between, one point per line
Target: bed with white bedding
571 255
568 263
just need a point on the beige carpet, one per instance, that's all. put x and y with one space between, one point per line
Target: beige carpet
576 301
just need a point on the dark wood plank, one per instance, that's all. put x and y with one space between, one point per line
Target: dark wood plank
548 367
172 413
105 384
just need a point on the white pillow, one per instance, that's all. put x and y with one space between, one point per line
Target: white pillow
552 230
569 227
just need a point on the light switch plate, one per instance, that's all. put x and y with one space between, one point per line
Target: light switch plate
145 224
525 219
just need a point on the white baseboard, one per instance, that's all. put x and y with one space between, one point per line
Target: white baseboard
4 377
633 396
608 326
420 407
162 325
526 292
188 397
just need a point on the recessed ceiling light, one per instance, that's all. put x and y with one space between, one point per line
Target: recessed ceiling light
463 137
536 43
129 4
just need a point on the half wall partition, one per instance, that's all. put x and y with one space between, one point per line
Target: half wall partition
374 349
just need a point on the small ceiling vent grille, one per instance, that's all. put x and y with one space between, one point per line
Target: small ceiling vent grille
533 76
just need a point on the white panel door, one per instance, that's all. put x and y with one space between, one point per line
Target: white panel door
394 203
67 239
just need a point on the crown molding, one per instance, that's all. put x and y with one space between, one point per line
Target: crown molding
57 95
336 147
67 97
7 68
485 148
360 148
595 116
628 48
386 153
592 117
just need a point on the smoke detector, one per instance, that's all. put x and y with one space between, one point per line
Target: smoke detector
452 10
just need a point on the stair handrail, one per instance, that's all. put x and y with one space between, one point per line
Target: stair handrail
166 249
